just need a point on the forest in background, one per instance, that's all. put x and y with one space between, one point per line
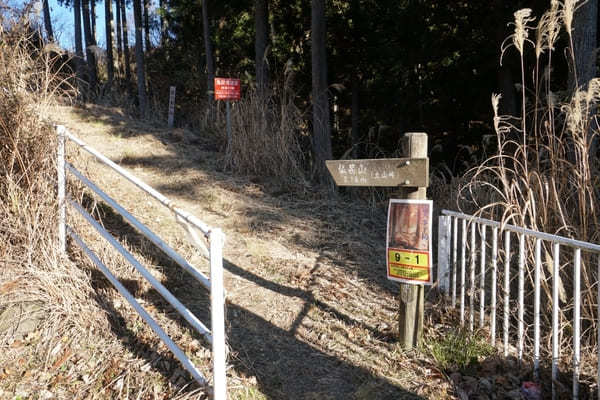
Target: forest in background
377 68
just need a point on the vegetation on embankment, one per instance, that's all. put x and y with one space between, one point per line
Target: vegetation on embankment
55 335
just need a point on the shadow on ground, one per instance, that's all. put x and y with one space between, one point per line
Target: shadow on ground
354 230
285 367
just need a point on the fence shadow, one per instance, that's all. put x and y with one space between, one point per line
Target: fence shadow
284 365
352 228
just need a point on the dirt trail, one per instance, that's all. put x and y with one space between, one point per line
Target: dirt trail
310 313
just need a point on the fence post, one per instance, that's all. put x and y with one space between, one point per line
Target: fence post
60 164
412 296
217 311
443 264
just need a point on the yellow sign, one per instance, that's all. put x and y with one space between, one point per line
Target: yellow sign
408 258
407 272
409 241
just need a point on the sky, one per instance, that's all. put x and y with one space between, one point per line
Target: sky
63 19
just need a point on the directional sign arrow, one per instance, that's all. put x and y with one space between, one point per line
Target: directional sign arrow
413 172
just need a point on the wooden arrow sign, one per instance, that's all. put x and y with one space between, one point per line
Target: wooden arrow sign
413 172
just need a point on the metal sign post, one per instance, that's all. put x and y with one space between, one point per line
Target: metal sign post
228 112
228 89
411 173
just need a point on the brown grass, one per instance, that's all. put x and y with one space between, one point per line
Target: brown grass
266 132
56 339
544 175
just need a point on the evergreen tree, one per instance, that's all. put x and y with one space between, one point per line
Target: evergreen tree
210 66
110 65
261 24
90 45
139 57
126 54
47 21
320 97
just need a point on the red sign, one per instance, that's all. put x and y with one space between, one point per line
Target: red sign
227 89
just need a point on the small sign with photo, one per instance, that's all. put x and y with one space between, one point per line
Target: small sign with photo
408 244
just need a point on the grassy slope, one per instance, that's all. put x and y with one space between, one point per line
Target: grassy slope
310 313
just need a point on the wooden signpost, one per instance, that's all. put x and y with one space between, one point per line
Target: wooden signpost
227 89
411 174
171 105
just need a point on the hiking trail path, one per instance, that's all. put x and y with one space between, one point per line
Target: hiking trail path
310 314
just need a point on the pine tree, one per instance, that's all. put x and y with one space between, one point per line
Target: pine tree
320 108
139 57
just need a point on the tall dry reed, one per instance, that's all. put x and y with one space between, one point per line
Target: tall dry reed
266 134
544 175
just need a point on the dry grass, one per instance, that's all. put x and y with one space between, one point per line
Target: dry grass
545 173
58 334
265 136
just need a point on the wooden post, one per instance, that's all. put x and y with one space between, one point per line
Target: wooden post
412 297
171 106
410 175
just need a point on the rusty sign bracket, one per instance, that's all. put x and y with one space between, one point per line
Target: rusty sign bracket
407 172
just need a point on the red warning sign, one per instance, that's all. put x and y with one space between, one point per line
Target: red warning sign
227 89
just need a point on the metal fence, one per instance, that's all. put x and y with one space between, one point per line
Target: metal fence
214 253
493 277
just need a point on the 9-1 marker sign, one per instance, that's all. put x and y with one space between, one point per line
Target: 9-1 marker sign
409 241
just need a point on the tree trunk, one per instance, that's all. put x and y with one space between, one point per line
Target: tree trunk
48 21
585 29
139 57
93 19
147 24
78 45
119 38
261 25
355 117
89 42
585 26
210 68
110 63
127 61
163 21
355 77
321 127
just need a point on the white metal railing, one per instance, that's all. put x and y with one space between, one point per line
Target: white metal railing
215 237
448 265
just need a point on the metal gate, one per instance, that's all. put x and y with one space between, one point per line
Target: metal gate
214 253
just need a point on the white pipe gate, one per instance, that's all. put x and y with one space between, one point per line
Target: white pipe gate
448 268
214 253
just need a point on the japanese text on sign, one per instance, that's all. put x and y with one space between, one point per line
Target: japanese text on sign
408 247
359 173
380 172
227 89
